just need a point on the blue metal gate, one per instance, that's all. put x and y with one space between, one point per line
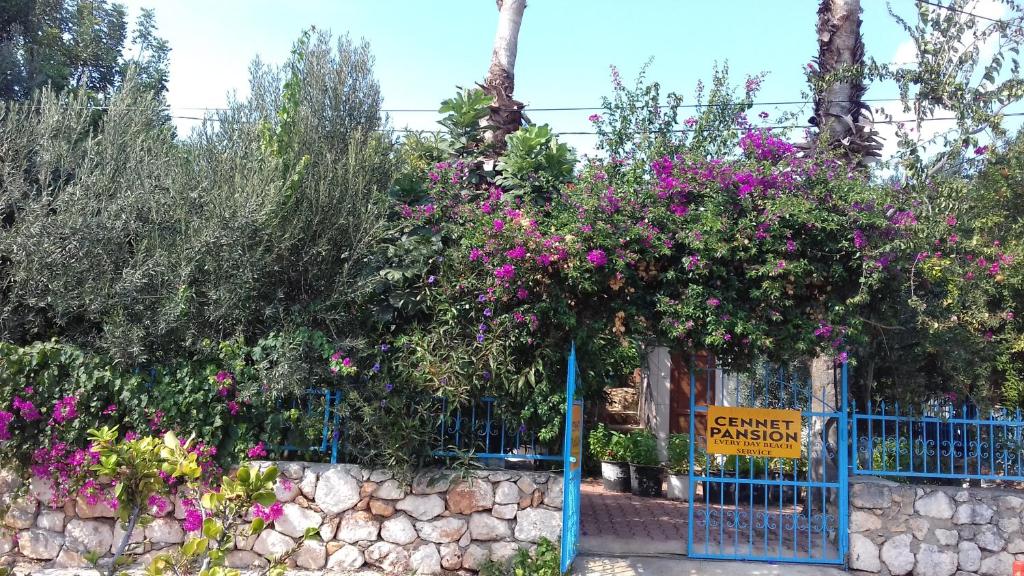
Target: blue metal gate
573 459
762 507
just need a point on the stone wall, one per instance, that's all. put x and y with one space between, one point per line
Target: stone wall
900 529
438 520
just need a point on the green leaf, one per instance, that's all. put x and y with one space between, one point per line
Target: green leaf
212 529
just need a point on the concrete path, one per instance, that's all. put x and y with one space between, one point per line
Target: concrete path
682 566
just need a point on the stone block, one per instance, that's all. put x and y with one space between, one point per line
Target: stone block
897 555
532 524
336 491
421 507
934 561
864 554
443 530
874 495
470 496
936 504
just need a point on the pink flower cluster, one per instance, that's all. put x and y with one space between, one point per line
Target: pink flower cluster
267 514
257 451
64 410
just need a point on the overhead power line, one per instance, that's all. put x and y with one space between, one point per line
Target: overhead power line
972 14
676 131
529 109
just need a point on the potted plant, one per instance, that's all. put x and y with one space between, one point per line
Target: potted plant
678 467
610 449
645 471
784 469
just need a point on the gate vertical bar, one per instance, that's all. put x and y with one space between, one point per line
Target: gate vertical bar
693 442
572 452
844 467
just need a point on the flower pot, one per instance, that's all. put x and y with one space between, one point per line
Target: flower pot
718 492
615 476
679 487
645 480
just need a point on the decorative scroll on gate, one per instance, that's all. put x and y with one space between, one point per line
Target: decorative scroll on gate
768 466
573 460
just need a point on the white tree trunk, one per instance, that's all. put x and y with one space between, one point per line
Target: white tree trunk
501 74
506 113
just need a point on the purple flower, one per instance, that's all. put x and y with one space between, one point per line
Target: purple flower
487 375
431 280
376 367
505 272
267 514
480 338
597 257
389 387
498 224
193 521
595 118
488 312
385 347
64 410
823 330
517 253
713 302
5 421
859 240
257 451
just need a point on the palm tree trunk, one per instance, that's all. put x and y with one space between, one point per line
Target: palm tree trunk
506 113
843 119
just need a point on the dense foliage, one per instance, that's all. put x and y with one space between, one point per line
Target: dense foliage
291 244
79 45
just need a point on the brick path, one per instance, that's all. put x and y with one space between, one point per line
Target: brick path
614 523
623 523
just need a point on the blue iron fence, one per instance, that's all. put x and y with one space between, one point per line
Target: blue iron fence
479 429
475 429
313 404
939 440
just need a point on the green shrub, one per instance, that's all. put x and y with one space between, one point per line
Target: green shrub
678 453
269 219
607 445
643 448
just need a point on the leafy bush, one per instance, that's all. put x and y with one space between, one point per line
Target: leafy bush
268 219
535 163
607 445
678 454
642 448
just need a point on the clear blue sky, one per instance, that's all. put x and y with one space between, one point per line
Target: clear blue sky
425 48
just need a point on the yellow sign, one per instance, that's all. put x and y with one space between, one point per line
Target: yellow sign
754 432
576 450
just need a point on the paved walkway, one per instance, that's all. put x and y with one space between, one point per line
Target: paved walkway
623 524
612 523
681 566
